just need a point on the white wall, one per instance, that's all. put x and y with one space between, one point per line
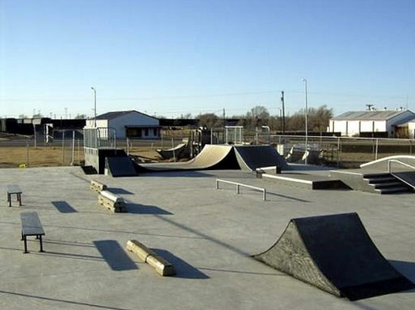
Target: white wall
133 119
366 126
339 126
353 128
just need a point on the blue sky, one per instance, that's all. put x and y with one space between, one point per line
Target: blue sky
168 58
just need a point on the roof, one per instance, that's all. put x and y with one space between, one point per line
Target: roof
382 115
113 115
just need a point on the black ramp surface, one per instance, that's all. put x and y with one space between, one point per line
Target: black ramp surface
120 166
251 157
336 254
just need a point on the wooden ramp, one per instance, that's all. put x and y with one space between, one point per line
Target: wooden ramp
335 254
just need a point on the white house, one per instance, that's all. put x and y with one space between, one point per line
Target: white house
127 124
365 122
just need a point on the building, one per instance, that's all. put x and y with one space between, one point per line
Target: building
374 123
127 124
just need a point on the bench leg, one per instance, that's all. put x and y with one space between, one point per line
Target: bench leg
19 198
9 199
41 243
25 244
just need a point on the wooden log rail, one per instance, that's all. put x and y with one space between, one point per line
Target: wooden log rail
97 186
112 202
160 265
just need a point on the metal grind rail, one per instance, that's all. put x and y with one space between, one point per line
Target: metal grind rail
238 185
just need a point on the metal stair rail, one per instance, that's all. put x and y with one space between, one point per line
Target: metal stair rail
390 161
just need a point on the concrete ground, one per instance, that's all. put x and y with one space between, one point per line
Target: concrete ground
208 234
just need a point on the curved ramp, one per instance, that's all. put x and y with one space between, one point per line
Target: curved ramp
251 157
211 157
173 152
335 254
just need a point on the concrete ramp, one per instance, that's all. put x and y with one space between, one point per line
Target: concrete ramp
335 254
251 157
120 166
211 157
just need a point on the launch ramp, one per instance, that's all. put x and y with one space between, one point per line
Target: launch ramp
120 166
335 254
251 157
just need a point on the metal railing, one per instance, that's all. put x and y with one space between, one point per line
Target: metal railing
390 161
238 185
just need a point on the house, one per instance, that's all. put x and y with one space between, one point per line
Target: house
127 124
371 123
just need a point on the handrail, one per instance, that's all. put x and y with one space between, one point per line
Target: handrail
238 185
390 161
399 162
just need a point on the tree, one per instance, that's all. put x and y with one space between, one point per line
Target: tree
317 119
186 116
256 117
81 116
209 120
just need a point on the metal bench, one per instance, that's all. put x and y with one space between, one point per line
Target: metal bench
14 190
31 226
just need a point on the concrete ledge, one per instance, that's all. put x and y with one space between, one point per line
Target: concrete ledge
112 202
97 186
160 265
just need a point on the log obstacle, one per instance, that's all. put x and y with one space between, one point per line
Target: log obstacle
111 201
160 265
97 186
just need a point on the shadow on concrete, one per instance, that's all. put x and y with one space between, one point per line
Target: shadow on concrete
287 197
203 236
135 208
273 274
115 256
63 207
174 174
69 255
119 191
62 301
69 243
183 269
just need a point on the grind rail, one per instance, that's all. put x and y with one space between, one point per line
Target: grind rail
238 185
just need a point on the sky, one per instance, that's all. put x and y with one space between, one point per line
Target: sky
176 57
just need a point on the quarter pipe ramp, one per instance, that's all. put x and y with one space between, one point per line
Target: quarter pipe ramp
211 157
225 157
120 166
335 254
251 157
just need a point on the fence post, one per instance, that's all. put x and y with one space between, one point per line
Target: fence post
63 147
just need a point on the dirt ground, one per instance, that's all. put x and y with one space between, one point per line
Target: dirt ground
12 157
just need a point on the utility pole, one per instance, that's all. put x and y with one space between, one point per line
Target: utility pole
283 112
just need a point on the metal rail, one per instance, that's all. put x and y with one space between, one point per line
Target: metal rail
390 161
238 185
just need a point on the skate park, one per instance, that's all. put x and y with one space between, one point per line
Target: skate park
210 235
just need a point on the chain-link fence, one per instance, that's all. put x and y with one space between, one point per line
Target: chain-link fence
63 149
67 147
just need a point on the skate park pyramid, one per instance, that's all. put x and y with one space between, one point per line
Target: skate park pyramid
335 254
